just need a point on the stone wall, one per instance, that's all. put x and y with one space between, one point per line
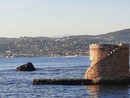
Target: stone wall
109 62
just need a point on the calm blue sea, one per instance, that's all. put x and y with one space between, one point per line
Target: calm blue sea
15 84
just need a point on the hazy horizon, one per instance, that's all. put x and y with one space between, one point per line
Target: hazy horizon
59 36
51 18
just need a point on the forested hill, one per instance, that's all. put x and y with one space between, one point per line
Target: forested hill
63 46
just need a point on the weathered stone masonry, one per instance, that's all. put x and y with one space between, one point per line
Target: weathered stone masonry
109 62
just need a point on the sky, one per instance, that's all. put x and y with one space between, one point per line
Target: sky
51 18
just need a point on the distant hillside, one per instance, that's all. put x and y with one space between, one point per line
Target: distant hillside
64 46
117 36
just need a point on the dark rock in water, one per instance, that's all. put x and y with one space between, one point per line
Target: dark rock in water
122 81
26 67
69 81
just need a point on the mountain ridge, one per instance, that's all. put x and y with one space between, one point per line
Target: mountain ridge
61 46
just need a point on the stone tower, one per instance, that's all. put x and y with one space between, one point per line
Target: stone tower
109 62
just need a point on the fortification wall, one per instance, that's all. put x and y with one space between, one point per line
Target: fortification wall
109 61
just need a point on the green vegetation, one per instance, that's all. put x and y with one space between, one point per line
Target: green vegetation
64 46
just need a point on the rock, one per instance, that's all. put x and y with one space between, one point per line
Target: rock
67 81
73 81
26 67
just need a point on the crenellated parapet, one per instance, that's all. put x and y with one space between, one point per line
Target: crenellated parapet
109 61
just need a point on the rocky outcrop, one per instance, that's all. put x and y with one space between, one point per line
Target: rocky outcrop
67 81
26 67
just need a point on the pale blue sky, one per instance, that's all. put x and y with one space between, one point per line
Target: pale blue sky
60 17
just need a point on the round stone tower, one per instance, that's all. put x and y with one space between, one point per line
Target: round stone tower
108 62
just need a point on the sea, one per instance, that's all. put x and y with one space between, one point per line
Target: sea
18 84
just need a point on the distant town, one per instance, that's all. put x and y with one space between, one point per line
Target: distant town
60 46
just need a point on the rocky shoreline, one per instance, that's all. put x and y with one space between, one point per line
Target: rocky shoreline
73 81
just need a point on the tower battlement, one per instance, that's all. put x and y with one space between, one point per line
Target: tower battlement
108 45
109 61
